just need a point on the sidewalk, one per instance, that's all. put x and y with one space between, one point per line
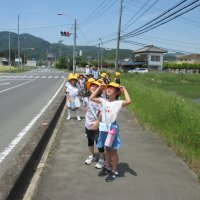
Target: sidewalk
148 169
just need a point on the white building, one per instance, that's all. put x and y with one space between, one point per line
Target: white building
152 55
31 63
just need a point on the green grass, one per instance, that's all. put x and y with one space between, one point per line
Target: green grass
7 69
159 101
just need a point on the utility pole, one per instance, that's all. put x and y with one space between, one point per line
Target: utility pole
74 48
9 60
18 42
99 54
118 37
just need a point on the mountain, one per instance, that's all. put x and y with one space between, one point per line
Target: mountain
172 56
42 47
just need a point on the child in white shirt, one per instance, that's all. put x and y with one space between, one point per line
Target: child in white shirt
110 110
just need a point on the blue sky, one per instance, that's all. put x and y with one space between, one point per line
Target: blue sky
39 18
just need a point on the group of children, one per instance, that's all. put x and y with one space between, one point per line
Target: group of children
102 105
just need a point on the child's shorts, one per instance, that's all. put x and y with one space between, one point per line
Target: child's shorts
77 103
103 135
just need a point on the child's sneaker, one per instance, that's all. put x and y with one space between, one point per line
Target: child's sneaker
100 164
111 177
104 172
78 118
68 118
90 160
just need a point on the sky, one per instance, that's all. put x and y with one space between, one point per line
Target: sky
97 22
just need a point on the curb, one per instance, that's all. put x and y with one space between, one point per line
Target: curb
43 162
17 178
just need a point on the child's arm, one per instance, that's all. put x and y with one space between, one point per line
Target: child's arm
95 126
127 100
94 94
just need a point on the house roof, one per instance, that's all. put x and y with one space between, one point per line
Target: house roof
150 48
133 63
190 56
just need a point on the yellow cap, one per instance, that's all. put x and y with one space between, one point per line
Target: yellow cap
117 74
103 75
89 82
73 77
113 84
70 74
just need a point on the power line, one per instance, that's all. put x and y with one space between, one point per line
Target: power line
148 26
167 49
99 13
143 13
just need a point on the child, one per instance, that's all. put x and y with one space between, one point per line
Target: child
110 110
117 77
81 81
73 102
92 119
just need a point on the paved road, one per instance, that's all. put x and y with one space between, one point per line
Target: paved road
22 97
148 169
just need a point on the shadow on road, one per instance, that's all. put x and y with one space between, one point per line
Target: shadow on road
124 168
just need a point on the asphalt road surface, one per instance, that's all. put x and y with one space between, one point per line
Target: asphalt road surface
22 98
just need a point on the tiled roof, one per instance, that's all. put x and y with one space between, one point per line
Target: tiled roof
151 48
190 56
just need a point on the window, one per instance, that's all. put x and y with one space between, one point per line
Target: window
155 58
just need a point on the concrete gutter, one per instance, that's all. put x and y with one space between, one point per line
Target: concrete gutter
17 178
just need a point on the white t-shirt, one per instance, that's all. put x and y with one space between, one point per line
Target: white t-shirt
112 108
72 90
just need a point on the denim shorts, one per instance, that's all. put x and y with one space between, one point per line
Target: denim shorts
102 138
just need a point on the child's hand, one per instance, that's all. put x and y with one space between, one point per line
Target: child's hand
95 126
102 86
122 88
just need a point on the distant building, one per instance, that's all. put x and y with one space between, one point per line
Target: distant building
3 61
191 58
150 57
31 63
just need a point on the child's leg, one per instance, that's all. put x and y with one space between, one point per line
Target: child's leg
115 160
68 111
108 159
78 114
101 162
91 157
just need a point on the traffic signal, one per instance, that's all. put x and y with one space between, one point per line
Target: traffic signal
64 33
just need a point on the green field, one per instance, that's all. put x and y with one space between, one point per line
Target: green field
7 69
164 103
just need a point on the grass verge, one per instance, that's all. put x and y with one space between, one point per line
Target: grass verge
175 118
12 69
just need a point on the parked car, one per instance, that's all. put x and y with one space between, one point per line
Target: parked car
139 70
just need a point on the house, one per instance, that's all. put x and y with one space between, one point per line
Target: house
3 61
191 58
151 55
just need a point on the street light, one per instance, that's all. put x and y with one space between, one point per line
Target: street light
74 37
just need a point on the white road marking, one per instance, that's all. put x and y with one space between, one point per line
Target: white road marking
4 83
49 76
20 135
1 91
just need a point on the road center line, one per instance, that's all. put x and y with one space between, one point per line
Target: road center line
20 135
15 86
